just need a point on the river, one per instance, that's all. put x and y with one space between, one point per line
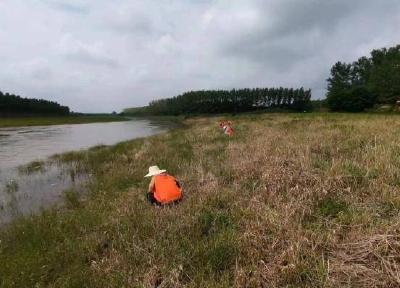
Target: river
24 193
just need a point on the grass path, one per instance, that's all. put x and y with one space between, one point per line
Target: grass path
289 201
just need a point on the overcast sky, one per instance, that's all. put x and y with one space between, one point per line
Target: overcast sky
103 55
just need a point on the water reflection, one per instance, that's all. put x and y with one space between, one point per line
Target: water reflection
24 193
22 145
26 189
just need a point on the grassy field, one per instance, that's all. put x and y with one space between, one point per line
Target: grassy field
39 121
297 200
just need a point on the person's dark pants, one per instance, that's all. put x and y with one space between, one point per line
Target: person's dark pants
152 200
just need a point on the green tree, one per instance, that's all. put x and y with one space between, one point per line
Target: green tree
385 74
352 87
232 101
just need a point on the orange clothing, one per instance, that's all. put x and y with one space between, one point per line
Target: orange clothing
228 130
166 188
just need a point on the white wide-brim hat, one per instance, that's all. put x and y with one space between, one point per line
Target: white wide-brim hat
154 170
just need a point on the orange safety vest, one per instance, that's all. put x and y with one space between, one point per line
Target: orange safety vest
166 189
228 130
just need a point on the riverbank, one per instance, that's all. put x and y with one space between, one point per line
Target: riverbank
45 121
301 200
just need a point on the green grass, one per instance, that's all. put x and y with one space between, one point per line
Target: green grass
71 199
291 200
330 208
39 121
32 167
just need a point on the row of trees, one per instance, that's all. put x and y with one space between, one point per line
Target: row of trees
232 101
15 105
365 82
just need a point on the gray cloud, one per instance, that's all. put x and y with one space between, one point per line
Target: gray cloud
86 53
106 55
286 32
78 7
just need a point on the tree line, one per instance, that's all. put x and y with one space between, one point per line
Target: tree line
366 82
11 105
228 101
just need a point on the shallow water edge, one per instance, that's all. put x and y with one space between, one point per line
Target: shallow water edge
50 181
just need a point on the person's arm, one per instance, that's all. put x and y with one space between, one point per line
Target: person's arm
151 185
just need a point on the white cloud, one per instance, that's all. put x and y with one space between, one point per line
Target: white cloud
85 53
106 55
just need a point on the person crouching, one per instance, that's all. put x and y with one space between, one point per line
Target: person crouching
163 188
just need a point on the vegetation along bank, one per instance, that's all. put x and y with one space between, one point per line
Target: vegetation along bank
227 101
14 105
18 111
42 121
291 200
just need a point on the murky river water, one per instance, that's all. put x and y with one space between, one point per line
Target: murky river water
22 193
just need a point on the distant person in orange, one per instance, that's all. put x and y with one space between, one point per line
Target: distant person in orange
163 188
224 123
228 130
226 127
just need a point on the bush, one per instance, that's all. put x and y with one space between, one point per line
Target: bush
318 105
354 100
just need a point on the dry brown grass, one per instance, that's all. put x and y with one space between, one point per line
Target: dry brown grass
284 169
281 168
289 201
